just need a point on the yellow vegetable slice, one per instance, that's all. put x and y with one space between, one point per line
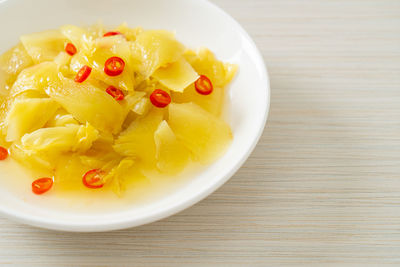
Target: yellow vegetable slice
129 33
68 172
117 175
61 139
43 46
34 160
205 135
213 102
27 115
61 118
12 63
155 48
76 35
205 63
101 155
142 106
131 100
176 76
31 83
89 104
62 61
138 139
96 30
172 156
37 78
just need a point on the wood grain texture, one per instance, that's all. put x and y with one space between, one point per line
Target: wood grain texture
322 186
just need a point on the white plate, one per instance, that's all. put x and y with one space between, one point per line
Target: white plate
197 23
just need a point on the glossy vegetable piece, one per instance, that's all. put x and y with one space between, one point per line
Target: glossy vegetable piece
61 118
95 30
12 63
75 138
205 135
100 156
78 36
154 49
212 103
128 102
68 172
130 34
176 76
172 156
62 61
37 78
34 160
27 115
83 38
89 104
205 63
119 174
138 139
43 46
133 98
142 106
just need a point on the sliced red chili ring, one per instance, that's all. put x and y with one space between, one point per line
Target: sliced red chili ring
114 66
112 34
115 92
83 74
92 179
3 153
160 98
203 85
70 49
42 185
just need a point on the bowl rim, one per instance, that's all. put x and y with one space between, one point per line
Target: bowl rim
176 207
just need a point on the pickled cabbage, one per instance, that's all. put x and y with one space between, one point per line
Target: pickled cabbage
27 115
68 113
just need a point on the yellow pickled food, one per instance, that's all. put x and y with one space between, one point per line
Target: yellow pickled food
105 109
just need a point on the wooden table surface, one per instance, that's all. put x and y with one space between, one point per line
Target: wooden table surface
323 185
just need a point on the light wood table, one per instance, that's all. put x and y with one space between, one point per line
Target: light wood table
323 185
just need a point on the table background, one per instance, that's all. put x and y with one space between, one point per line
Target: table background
322 186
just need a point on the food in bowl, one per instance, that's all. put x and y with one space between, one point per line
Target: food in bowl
86 107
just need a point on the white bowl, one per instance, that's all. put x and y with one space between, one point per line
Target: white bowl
197 23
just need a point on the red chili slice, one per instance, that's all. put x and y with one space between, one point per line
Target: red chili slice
3 153
160 98
115 92
83 74
42 185
203 85
114 66
70 49
92 179
111 34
